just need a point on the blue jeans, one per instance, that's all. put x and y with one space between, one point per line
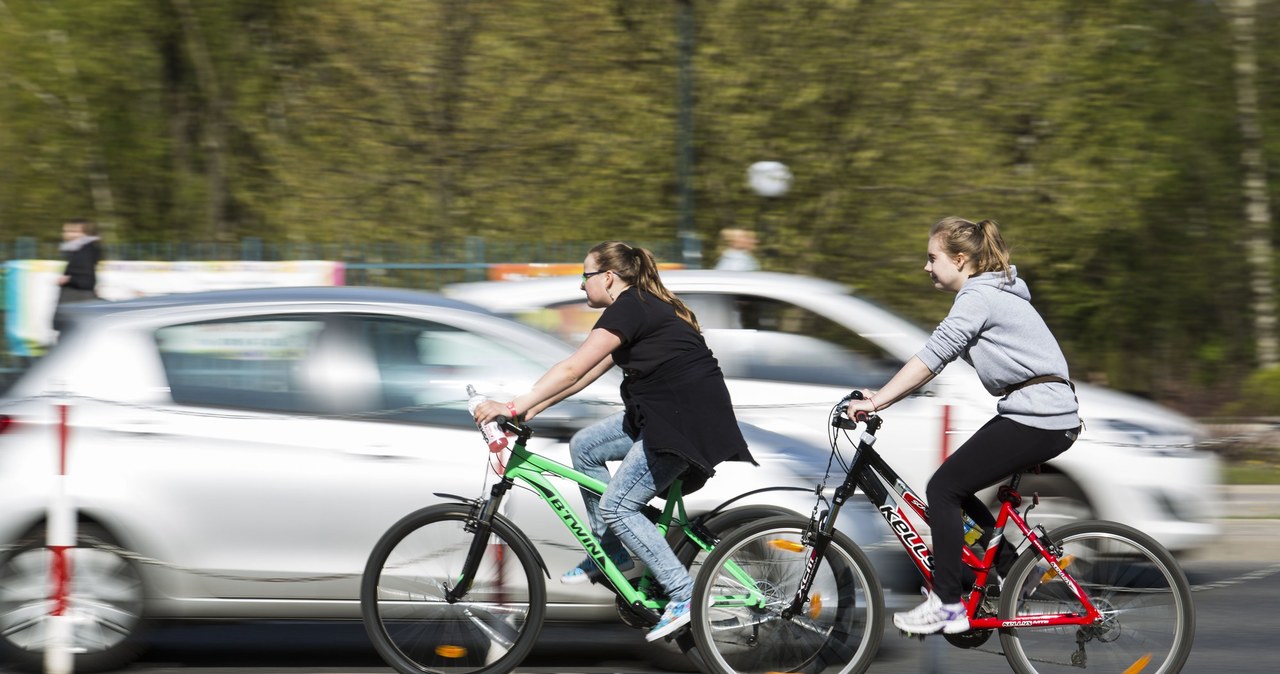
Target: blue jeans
615 517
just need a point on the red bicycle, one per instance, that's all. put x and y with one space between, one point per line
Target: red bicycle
782 594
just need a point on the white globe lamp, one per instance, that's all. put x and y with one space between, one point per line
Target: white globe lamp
769 178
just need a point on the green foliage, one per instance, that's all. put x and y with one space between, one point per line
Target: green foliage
1102 136
1259 395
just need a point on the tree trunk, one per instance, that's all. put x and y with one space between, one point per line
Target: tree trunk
214 124
104 204
1257 201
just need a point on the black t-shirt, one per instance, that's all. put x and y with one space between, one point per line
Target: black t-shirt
673 388
651 331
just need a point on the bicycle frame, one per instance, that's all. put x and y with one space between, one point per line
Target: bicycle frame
532 469
881 484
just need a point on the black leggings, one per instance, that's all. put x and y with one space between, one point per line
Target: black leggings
999 449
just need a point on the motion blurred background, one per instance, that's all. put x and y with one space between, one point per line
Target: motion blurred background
1124 146
1128 149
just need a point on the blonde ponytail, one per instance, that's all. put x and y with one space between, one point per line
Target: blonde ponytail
981 242
637 267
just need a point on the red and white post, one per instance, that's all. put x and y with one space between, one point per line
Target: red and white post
944 444
61 539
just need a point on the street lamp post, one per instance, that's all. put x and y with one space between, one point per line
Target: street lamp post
690 245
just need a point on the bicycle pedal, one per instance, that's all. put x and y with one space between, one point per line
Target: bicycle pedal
911 635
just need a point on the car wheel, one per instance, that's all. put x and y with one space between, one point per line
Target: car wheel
105 604
1062 501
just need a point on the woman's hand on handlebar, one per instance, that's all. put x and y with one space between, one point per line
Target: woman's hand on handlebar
492 410
860 407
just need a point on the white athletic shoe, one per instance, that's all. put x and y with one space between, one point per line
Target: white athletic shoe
933 616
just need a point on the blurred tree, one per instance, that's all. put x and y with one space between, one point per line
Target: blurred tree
1258 242
1103 136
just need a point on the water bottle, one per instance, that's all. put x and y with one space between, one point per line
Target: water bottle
492 433
972 532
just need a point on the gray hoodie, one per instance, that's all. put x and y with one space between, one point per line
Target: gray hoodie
993 326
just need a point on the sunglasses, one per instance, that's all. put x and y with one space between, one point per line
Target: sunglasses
588 274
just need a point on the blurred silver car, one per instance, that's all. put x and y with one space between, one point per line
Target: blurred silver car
791 344
237 454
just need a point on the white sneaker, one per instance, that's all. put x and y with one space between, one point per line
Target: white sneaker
933 616
676 616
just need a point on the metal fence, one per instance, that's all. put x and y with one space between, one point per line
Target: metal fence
418 265
402 264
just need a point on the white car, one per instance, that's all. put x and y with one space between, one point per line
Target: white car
789 345
244 450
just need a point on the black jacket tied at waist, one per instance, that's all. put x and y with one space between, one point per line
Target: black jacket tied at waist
683 407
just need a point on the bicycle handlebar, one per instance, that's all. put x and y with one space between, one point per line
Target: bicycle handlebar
840 418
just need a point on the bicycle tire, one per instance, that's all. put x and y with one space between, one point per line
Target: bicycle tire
721 525
1149 618
413 626
736 638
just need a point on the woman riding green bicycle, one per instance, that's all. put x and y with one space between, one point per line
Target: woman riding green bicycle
678 420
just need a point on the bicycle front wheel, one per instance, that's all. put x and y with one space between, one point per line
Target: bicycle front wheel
1148 620
753 575
412 624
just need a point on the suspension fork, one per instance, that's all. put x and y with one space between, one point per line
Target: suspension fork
820 537
821 534
480 522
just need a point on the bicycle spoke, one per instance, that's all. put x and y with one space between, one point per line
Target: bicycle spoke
1146 619
417 629
837 629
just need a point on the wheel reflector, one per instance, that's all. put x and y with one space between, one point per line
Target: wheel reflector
815 606
788 546
1140 665
1062 564
447 651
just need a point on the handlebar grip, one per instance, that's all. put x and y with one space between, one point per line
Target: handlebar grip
858 417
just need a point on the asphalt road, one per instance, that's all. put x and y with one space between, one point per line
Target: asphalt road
1237 587
1236 634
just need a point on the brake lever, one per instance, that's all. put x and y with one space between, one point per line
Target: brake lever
841 419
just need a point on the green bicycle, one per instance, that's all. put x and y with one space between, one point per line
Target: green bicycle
459 588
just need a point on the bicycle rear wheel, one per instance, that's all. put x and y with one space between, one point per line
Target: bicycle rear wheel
416 629
1148 619
753 574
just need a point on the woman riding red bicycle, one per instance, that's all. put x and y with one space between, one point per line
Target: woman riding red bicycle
993 326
